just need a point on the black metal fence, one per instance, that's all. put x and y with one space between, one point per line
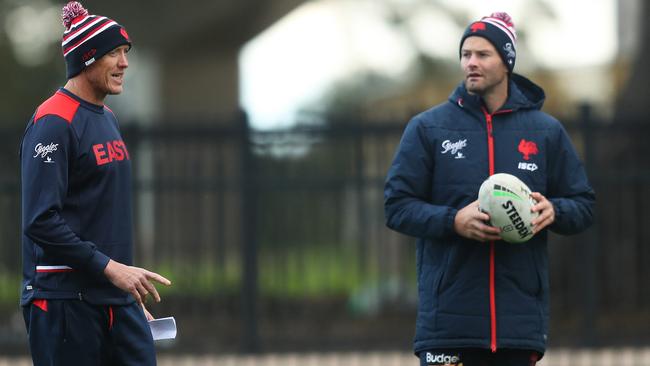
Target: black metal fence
276 240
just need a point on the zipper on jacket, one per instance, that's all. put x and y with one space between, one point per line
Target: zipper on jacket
493 303
493 309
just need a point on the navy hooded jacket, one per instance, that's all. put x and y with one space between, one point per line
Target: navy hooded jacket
76 202
474 294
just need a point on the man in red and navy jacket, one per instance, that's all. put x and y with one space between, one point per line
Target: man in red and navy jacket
483 301
82 298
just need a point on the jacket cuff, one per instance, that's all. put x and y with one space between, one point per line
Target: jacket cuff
558 210
97 263
449 223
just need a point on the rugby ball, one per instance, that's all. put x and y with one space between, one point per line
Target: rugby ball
508 202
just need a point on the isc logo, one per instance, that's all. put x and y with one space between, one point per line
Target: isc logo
528 166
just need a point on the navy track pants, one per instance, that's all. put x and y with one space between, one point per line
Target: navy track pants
74 332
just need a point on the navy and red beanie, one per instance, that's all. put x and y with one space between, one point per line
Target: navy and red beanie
88 37
499 29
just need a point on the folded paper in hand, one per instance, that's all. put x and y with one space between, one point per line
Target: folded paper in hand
163 328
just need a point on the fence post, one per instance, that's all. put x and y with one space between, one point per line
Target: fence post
248 199
143 196
590 245
362 230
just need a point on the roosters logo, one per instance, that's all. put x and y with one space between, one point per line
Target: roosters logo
527 148
477 27
88 55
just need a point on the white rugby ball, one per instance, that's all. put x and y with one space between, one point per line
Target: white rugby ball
508 202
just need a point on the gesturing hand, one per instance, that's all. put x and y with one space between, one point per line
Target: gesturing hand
546 212
134 280
470 223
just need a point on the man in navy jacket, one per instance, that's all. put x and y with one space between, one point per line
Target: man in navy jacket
82 298
483 301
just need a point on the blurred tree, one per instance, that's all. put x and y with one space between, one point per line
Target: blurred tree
25 86
429 79
632 103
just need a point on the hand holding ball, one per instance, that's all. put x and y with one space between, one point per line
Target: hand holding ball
508 202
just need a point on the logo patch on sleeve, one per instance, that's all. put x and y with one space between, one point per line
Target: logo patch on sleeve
43 151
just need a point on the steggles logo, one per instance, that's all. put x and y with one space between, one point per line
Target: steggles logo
43 150
454 148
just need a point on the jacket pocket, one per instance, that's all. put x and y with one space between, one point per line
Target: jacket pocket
432 263
463 286
443 272
538 272
517 269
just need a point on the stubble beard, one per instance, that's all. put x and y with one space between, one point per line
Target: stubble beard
481 89
475 88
